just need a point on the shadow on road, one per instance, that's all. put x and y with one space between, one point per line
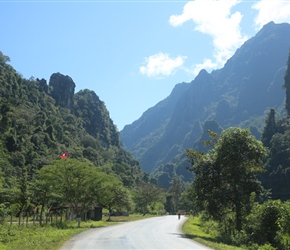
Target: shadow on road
193 237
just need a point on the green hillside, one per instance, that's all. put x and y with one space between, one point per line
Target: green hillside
39 121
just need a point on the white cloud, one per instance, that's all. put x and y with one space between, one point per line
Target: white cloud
214 17
277 11
161 65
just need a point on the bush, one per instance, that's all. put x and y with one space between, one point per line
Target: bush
267 247
263 224
210 227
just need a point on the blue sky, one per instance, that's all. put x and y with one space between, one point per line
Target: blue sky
131 53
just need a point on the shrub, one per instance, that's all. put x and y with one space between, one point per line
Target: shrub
267 247
263 224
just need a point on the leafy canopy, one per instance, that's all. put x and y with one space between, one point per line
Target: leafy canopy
226 176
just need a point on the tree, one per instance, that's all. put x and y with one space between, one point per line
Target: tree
276 177
43 195
266 223
2 205
186 200
24 196
148 194
270 128
287 86
77 182
9 195
113 194
4 59
175 191
226 176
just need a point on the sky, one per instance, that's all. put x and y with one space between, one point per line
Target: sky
130 53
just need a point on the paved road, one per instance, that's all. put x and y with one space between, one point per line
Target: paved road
153 233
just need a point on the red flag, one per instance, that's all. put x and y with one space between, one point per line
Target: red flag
64 155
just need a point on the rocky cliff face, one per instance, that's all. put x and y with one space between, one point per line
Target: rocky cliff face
151 122
96 118
62 90
239 94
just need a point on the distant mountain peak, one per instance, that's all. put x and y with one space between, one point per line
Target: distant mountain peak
62 90
239 94
203 76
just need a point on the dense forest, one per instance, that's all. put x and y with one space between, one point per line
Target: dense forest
41 121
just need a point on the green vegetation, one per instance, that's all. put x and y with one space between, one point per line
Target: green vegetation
241 186
229 198
81 185
266 227
50 237
205 233
35 237
40 121
286 85
226 176
240 191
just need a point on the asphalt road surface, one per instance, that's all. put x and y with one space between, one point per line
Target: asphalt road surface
153 233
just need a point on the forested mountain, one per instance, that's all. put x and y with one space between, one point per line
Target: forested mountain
239 94
39 121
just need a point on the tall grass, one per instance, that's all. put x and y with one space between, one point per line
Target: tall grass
34 236
205 234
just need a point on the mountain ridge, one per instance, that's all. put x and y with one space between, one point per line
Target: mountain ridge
238 94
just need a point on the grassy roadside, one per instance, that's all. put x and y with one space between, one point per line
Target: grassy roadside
48 237
192 229
52 238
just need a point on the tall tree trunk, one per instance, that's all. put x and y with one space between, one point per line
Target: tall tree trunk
26 219
41 214
19 219
109 215
61 213
238 217
79 221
